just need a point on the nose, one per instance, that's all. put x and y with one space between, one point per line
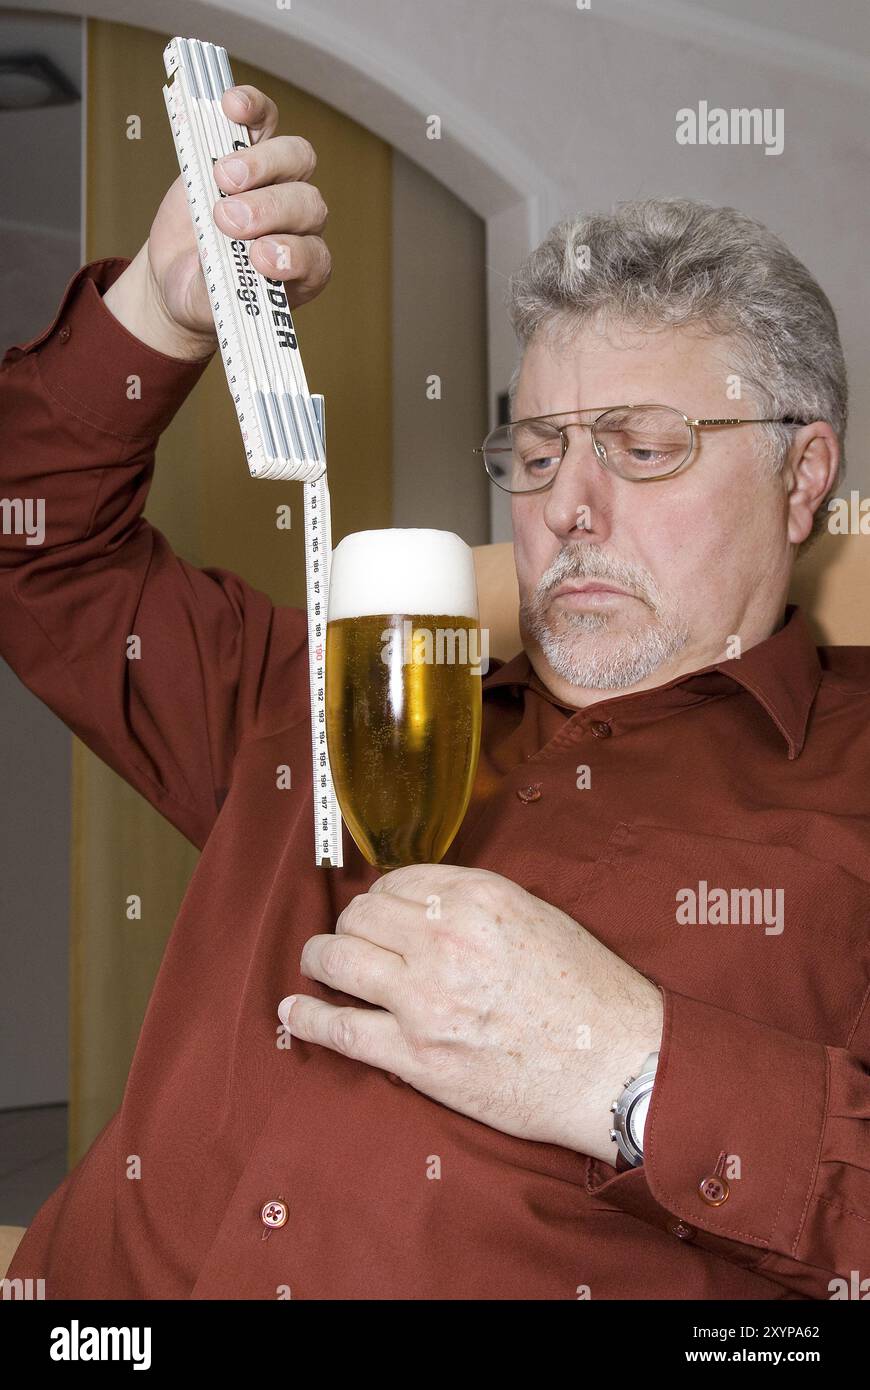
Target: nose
579 503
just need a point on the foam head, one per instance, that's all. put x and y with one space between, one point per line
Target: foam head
414 570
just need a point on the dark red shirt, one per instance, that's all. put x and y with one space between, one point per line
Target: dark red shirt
748 774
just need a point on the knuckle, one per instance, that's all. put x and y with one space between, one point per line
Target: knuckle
323 270
334 958
307 155
351 912
318 209
453 947
486 890
342 1032
439 1005
268 210
425 1057
458 968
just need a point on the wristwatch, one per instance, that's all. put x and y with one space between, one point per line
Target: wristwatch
630 1111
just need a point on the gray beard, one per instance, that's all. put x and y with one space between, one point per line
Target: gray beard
582 648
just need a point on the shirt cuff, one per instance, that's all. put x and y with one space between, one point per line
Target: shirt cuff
86 358
733 1134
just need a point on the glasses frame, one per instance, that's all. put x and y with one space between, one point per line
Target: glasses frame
600 452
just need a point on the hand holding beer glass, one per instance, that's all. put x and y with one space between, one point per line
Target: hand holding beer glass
403 690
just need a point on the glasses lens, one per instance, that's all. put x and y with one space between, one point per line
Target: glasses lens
647 441
524 456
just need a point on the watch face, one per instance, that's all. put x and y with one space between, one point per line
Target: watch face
637 1119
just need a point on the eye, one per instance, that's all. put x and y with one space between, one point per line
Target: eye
642 457
645 454
540 463
645 441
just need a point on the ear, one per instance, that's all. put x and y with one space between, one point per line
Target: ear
811 469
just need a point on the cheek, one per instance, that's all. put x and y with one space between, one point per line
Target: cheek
530 548
745 510
739 484
708 517
670 533
716 536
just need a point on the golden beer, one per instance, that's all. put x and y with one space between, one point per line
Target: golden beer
403 707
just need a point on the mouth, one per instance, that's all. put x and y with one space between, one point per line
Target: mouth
591 589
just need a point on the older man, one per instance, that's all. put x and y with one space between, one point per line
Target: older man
629 1058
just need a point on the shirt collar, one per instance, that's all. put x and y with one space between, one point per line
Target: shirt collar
782 673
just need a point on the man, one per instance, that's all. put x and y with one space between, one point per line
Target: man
659 897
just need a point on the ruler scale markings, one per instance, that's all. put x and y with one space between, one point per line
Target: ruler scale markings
327 819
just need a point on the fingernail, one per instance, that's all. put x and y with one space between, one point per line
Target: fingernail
242 97
276 252
236 171
284 1009
238 214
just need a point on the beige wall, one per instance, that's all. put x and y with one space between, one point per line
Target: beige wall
439 328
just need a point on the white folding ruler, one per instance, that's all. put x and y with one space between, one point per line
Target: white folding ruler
282 424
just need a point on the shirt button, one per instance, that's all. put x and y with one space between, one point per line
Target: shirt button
714 1190
601 729
64 333
532 793
682 1230
274 1214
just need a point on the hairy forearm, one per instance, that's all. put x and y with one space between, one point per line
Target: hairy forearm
636 1034
135 304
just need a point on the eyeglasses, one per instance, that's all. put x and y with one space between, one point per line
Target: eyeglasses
642 443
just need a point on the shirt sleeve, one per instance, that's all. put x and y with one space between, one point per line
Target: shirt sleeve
83 406
757 1148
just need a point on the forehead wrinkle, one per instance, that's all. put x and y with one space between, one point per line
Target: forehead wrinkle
535 414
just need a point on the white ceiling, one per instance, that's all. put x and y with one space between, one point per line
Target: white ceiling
837 23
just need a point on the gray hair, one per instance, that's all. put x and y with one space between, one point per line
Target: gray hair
675 261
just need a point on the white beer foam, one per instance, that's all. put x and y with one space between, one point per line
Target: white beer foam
413 570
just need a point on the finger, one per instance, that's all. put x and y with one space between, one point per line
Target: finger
249 106
282 207
354 966
417 881
302 262
390 922
369 1035
278 160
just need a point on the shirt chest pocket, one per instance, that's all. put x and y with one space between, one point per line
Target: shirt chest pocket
766 931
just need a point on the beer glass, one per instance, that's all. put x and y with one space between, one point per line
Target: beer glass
403 690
